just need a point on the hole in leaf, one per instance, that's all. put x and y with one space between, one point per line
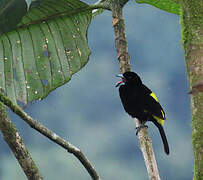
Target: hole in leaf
44 82
47 54
15 74
45 51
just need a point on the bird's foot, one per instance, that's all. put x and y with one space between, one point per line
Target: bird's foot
140 127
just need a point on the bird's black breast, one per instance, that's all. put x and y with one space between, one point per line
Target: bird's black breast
132 101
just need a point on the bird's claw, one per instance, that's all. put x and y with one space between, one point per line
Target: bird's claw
140 127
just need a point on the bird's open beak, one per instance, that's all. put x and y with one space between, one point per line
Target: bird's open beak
120 82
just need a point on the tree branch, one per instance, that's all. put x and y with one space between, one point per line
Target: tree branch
120 38
51 135
16 144
124 61
148 152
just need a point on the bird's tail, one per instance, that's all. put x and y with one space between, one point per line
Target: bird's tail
163 136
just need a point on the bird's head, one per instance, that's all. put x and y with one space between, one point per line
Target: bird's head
129 78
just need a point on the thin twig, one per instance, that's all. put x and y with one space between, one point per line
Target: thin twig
124 62
16 144
51 135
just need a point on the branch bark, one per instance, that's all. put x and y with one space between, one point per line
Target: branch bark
148 153
52 136
16 144
192 39
124 62
120 38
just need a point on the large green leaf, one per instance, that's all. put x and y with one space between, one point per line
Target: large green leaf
46 48
170 6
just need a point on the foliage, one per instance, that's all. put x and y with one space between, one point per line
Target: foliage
167 5
44 50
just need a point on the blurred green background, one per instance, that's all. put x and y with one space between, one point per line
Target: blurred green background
87 111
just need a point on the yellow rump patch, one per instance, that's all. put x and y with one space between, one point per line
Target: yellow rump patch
159 120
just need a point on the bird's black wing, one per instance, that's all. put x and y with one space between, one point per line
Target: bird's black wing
151 103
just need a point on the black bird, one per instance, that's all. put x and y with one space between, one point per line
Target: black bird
141 103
